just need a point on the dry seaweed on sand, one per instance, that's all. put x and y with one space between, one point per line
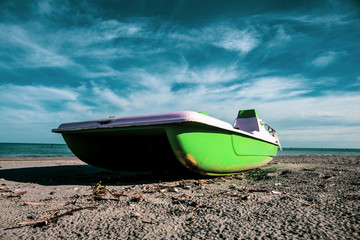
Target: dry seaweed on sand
99 192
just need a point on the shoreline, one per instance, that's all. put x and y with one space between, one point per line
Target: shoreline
309 196
36 158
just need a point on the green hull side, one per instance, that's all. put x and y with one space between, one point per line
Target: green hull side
211 151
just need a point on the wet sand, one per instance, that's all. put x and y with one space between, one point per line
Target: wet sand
293 197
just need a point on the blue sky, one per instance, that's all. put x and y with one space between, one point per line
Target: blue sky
296 62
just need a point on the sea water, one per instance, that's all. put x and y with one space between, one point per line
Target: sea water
318 151
34 150
61 150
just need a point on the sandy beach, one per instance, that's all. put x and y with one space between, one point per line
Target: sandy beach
293 197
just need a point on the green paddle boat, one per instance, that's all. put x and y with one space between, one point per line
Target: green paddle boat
198 141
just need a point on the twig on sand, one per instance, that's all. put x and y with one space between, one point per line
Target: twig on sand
105 198
17 194
308 204
46 222
54 219
118 194
52 213
34 223
43 204
147 221
4 189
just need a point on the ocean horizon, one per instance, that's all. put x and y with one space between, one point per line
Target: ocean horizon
62 150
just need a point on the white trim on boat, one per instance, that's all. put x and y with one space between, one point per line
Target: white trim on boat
160 119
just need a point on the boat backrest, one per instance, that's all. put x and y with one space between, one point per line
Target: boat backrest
247 121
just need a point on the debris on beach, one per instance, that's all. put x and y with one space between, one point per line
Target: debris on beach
4 190
57 216
99 189
118 194
43 204
99 192
138 198
11 194
328 177
17 194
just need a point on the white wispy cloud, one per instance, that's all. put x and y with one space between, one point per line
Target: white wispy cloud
329 108
307 121
222 35
28 50
105 96
48 7
34 96
324 60
326 20
357 82
242 41
28 105
44 7
281 37
334 136
105 31
62 48
209 74
273 88
68 48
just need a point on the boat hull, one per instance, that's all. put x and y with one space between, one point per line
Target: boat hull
199 147
138 149
212 151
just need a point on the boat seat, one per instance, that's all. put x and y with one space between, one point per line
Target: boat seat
247 124
247 120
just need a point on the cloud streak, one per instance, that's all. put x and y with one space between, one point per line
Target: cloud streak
327 58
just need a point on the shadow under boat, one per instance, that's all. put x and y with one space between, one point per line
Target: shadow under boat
87 175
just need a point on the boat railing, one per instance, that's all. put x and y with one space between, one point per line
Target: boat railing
270 129
273 133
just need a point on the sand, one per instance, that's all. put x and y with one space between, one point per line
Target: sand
294 197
